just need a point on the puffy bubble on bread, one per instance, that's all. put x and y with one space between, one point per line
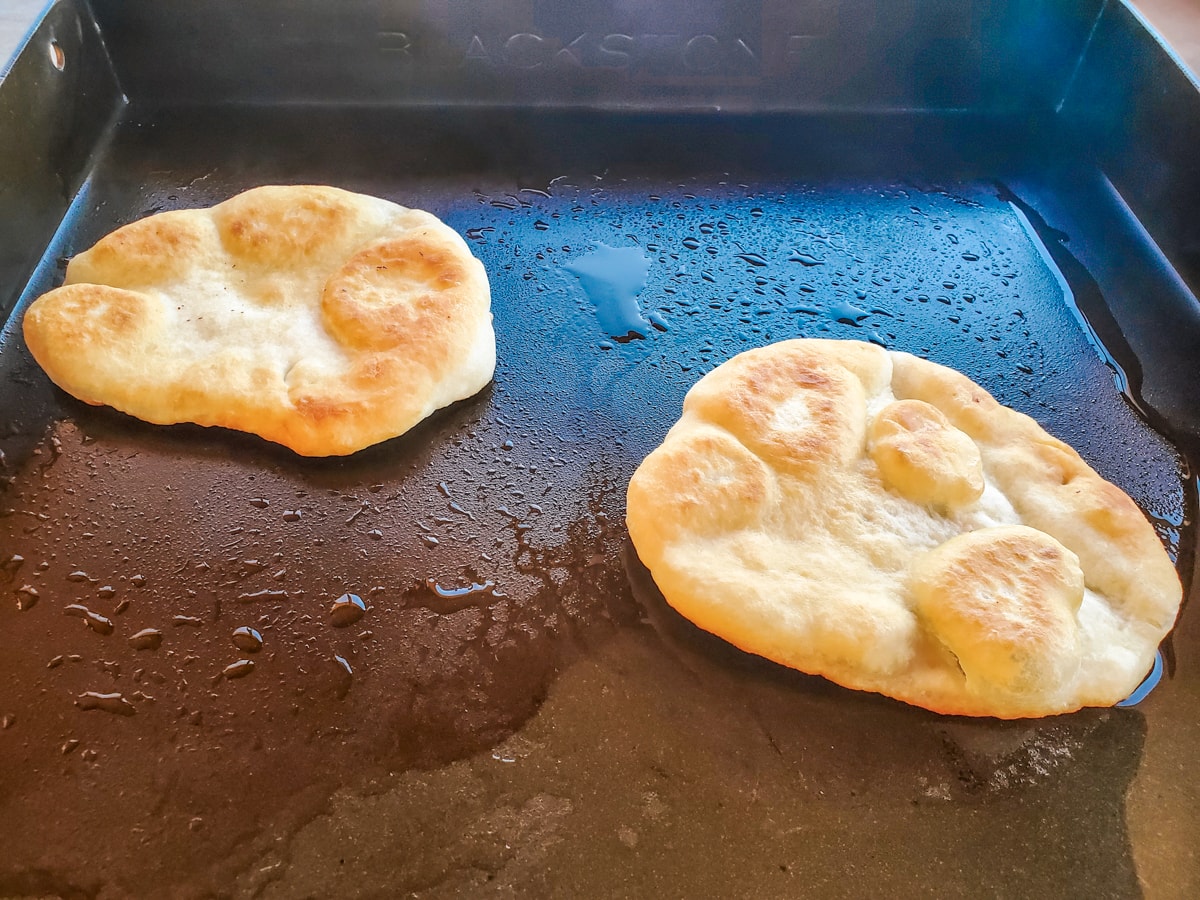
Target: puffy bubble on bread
788 407
882 521
314 317
1004 601
923 457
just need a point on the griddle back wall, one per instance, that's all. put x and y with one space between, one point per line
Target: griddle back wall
853 55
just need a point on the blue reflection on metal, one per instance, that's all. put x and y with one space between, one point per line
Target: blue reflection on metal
1146 686
612 277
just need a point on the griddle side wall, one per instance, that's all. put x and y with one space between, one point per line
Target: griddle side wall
1144 128
57 104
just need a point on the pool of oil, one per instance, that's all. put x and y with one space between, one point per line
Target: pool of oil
436 667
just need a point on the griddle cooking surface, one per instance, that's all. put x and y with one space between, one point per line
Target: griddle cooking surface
517 707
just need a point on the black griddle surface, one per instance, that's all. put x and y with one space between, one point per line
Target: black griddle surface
518 709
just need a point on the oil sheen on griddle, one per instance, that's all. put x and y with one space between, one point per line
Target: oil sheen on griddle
194 618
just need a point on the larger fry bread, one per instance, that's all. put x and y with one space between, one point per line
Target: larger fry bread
882 521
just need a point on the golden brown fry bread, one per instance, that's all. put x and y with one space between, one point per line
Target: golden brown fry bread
320 319
882 521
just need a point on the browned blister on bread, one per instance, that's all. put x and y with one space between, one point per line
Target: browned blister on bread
317 318
882 521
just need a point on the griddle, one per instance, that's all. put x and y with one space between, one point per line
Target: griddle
1007 187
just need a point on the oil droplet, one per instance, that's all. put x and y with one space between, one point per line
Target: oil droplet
453 599
109 703
187 620
346 676
612 277
27 596
456 593
260 502
94 621
293 515
247 639
846 313
69 746
805 259
146 639
239 669
8 721
346 610
265 594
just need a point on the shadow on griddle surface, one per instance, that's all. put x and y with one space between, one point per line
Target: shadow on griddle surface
517 708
